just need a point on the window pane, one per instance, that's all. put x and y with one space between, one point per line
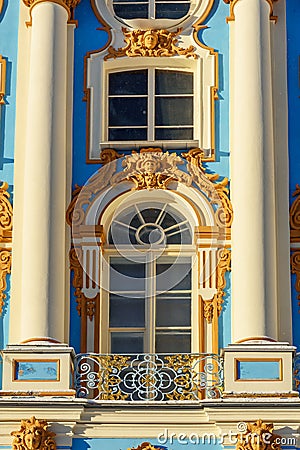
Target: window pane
127 342
173 82
131 82
174 111
175 134
127 111
171 10
126 312
176 277
133 11
127 134
172 312
126 275
173 342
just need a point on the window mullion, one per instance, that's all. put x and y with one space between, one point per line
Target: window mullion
151 104
150 302
151 10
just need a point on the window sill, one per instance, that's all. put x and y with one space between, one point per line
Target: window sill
164 145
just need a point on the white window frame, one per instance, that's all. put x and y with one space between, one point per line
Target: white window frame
151 8
151 100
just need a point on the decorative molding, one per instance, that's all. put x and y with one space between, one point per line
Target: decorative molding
295 216
6 215
232 4
295 269
75 257
258 436
5 268
69 6
217 193
213 307
107 155
33 435
153 43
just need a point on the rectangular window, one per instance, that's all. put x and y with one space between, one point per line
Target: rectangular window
151 104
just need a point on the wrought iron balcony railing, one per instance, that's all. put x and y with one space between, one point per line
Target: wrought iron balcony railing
148 377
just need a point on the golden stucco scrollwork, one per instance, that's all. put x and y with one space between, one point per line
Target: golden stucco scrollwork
217 192
145 446
75 257
5 268
258 436
295 268
33 435
232 4
66 3
153 43
152 169
214 306
295 216
6 214
108 155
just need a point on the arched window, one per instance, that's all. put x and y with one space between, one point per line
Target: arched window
149 262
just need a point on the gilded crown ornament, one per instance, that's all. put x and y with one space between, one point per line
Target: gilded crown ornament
33 435
153 43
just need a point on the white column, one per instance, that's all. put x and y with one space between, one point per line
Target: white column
254 302
44 192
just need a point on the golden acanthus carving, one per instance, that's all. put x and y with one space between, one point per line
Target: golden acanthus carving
232 4
152 170
214 306
75 257
295 268
33 435
153 43
144 446
108 155
6 214
258 436
295 216
216 192
5 268
69 4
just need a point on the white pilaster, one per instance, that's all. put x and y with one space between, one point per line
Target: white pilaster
254 292
41 230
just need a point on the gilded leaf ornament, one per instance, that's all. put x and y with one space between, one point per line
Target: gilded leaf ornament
145 446
33 435
153 43
5 268
295 268
216 192
258 436
214 305
295 216
108 155
69 4
6 214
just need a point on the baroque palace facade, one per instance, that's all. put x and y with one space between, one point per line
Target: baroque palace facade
149 224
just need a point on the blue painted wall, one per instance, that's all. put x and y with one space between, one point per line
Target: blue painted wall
175 443
9 22
89 37
293 55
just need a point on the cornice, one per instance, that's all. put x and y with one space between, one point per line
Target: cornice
232 4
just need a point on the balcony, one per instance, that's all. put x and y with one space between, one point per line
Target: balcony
149 377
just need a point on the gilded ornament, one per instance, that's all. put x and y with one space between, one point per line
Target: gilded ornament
232 4
152 170
33 435
258 436
295 216
216 192
75 257
295 268
145 446
5 268
153 43
108 155
69 4
6 214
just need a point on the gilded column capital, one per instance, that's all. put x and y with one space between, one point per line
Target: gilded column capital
67 4
232 4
